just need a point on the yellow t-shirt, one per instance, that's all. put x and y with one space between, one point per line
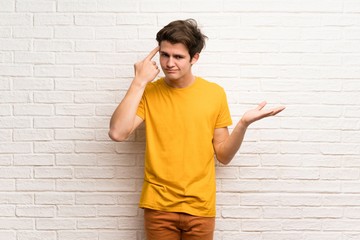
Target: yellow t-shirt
179 156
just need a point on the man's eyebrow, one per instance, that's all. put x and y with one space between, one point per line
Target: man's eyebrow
176 54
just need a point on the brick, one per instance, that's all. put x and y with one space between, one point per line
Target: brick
227 225
241 212
15 148
53 147
33 110
236 236
27 235
16 70
322 213
116 160
118 185
15 97
63 134
261 225
74 110
129 172
130 147
7 6
34 211
35 6
15 172
15 19
53 97
94 72
16 224
77 235
5 32
5 135
55 224
94 46
35 185
118 32
5 160
299 174
76 185
33 83
75 58
36 32
53 122
126 211
158 6
53 71
53 19
4 84
74 33
16 198
282 213
92 147
97 20
99 223
280 236
78 211
7 211
30 57
94 173
77 6
111 235
54 198
15 45
33 160
281 6
70 84
7 185
53 172
115 6
97 198
135 19
351 6
76 159
53 46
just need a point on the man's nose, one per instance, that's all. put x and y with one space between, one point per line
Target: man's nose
170 62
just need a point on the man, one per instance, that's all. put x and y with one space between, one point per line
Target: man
186 121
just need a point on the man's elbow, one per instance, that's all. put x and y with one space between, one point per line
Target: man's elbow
117 136
224 161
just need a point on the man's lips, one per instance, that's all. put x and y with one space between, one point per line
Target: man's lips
170 70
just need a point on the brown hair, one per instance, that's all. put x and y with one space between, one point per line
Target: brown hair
185 32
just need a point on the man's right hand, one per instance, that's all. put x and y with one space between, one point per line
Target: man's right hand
146 70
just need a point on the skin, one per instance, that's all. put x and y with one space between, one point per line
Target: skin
176 64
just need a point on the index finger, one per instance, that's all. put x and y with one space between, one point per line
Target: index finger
152 53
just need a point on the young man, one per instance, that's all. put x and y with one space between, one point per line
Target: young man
186 121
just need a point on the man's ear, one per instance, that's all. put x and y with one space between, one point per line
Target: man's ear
195 58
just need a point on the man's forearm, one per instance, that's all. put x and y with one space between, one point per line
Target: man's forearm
232 143
122 120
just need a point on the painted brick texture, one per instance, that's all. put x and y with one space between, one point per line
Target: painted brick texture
66 64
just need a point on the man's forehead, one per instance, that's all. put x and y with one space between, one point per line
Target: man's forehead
170 48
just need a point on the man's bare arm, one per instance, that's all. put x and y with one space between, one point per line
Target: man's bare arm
124 120
226 145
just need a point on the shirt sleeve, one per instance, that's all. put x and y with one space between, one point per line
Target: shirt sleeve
141 108
224 117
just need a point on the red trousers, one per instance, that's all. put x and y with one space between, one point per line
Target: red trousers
161 225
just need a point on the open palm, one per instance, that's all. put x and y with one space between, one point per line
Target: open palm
259 112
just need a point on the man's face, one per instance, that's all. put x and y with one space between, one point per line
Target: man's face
175 60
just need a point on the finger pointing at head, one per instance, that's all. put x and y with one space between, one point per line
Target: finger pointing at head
152 53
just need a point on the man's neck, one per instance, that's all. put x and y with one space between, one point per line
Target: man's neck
181 82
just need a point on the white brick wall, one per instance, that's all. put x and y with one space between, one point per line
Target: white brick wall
65 64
